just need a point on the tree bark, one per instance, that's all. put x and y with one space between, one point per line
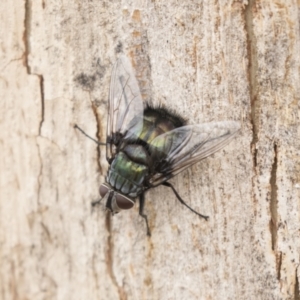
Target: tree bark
208 61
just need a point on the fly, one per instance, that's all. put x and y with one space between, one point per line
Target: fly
147 146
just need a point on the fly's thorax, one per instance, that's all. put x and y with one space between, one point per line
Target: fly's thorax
137 153
115 201
127 176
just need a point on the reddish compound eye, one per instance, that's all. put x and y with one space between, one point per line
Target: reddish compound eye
103 189
118 202
124 202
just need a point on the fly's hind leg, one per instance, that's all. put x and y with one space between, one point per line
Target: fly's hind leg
141 212
182 202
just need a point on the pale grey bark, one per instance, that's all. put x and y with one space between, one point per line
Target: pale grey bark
208 60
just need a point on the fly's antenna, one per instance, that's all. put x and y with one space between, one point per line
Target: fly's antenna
98 143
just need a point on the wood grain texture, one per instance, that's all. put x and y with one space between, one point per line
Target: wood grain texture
208 60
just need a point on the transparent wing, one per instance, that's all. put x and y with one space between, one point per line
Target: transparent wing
125 109
180 148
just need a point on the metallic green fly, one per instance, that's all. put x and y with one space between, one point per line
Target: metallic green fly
146 146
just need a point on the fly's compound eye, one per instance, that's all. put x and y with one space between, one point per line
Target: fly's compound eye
120 202
124 202
103 189
115 201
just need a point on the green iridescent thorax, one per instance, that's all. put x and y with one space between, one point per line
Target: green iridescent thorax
127 176
137 153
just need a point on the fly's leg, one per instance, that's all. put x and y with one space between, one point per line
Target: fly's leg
83 132
141 212
94 203
182 202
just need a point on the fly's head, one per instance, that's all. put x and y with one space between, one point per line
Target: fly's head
115 202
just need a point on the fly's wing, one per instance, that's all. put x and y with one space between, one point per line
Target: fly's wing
180 148
125 109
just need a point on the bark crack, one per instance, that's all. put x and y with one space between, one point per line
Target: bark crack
278 264
274 213
98 134
109 257
27 50
40 174
41 78
26 39
252 70
253 87
26 34
274 201
296 292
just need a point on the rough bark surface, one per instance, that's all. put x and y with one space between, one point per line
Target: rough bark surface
208 60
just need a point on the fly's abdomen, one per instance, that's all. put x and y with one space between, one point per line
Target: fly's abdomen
157 121
127 176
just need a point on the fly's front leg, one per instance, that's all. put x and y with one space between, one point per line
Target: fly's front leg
141 212
182 202
83 132
94 203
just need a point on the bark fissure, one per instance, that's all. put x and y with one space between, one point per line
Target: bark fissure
278 264
41 78
252 66
252 70
109 257
26 38
26 34
296 292
98 134
274 201
39 178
